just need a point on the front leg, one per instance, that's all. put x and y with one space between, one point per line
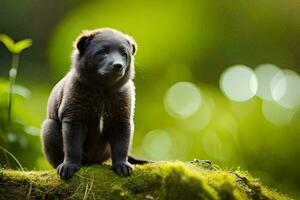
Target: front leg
118 135
73 140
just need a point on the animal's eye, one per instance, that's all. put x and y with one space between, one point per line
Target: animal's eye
123 52
103 51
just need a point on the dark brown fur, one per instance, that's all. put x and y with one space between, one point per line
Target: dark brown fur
98 86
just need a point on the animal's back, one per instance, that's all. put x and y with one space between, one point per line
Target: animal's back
55 99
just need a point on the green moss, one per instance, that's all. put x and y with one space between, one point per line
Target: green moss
164 180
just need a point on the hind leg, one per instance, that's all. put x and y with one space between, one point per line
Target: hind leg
52 142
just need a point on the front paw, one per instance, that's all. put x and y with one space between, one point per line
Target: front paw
122 168
66 170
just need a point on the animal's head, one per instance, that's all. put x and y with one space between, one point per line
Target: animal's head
105 55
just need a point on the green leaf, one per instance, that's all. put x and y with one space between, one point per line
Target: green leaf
22 91
21 45
31 130
8 42
15 47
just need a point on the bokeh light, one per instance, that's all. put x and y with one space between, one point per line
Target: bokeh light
183 99
276 114
267 76
239 83
199 120
278 86
12 137
157 144
291 96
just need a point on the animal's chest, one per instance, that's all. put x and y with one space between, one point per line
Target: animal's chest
102 110
101 121
101 115
96 103
96 116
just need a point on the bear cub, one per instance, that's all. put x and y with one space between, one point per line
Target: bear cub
90 110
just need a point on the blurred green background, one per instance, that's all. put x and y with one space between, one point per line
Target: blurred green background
215 80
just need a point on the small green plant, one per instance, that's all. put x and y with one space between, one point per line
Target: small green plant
16 134
15 48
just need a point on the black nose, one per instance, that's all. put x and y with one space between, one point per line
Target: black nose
118 66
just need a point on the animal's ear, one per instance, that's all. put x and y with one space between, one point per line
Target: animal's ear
83 41
82 44
133 45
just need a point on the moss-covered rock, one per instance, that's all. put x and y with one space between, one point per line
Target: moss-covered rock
163 180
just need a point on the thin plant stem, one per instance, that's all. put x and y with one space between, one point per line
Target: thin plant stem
11 155
12 79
